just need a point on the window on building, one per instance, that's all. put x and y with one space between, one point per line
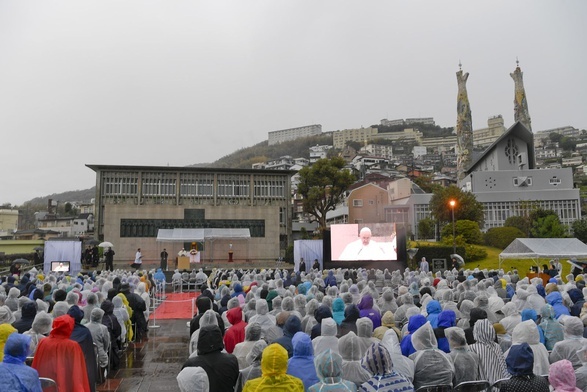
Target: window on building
357 202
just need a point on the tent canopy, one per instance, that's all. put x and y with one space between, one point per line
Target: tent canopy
187 235
537 248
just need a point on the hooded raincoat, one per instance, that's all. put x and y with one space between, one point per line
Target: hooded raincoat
329 370
221 368
574 340
327 339
301 365
526 332
242 350
466 362
15 375
236 333
519 363
401 364
274 378
384 379
432 366
60 358
193 379
492 365
291 327
350 351
553 330
562 377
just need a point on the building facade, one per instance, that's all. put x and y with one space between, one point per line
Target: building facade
361 135
133 202
285 135
484 137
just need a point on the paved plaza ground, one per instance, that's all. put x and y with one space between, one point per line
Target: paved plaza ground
153 364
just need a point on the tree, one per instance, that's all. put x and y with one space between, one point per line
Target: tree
580 229
467 207
567 143
555 137
426 228
323 186
521 223
469 230
549 226
425 182
501 237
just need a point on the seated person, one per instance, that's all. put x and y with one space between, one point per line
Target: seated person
15 375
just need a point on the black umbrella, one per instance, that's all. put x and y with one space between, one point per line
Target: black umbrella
20 261
93 242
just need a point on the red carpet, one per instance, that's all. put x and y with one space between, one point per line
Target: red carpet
175 306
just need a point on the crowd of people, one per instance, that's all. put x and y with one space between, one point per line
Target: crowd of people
59 321
376 330
331 330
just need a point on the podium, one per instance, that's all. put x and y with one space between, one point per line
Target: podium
230 257
183 263
545 277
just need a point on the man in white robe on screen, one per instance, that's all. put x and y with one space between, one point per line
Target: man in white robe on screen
364 248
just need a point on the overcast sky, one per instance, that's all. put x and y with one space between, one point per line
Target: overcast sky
180 82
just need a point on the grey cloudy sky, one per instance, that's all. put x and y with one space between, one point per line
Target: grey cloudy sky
182 82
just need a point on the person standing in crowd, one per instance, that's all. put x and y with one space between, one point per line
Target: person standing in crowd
302 267
316 264
424 266
109 259
164 257
138 259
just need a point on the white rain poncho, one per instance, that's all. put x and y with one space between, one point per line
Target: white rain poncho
365 333
512 317
534 300
254 369
193 379
40 328
329 371
262 316
567 349
350 351
309 320
327 339
100 335
581 373
527 332
465 309
466 363
401 364
242 349
432 366
492 366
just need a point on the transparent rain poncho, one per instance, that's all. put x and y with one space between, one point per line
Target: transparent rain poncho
527 332
329 371
401 364
432 366
327 339
350 351
466 363
209 318
567 349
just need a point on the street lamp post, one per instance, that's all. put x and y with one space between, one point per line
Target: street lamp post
452 204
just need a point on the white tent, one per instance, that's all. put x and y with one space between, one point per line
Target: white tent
63 250
209 236
544 248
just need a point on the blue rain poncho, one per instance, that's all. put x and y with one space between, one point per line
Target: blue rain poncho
15 375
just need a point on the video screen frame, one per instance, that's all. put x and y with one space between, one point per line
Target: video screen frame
60 266
352 242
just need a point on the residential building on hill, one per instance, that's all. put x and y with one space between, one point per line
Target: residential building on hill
285 135
484 137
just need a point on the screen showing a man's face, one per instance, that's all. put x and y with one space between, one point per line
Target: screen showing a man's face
365 237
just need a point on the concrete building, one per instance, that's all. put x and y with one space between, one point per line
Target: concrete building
381 150
8 221
284 135
318 152
367 204
504 179
133 202
361 135
484 137
446 143
567 131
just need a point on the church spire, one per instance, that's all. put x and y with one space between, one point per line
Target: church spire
521 112
464 126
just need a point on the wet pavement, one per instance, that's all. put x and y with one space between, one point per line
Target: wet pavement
152 364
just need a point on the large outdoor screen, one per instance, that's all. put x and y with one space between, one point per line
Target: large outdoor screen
354 242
